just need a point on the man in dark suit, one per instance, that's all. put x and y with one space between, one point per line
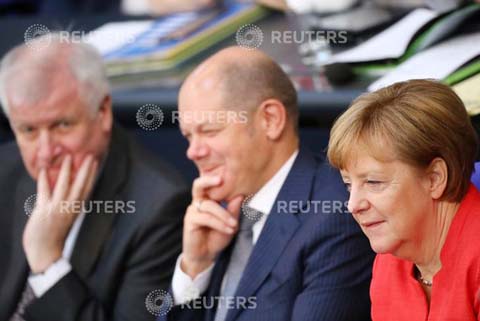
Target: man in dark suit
295 254
106 227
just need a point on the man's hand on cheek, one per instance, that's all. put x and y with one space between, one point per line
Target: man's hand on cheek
55 212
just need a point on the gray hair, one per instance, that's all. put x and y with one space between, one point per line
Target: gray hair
27 67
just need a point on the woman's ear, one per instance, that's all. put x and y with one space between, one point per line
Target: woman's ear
438 177
273 117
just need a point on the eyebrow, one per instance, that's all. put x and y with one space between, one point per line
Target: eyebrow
362 175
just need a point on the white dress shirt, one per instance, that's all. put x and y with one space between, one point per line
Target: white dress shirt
183 287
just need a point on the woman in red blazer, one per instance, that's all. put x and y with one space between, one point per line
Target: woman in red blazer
406 153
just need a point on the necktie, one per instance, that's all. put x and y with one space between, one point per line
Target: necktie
241 252
27 297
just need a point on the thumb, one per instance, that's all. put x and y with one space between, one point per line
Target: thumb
234 205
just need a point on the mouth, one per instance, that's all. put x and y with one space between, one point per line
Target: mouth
208 171
372 224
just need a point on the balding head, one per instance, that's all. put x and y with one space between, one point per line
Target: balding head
244 79
246 150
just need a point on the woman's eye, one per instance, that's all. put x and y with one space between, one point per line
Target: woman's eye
348 186
375 185
210 132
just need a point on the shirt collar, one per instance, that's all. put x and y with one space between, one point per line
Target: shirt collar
264 199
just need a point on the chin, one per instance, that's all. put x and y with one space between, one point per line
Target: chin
217 193
381 247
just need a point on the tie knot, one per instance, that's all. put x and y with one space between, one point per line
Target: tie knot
249 217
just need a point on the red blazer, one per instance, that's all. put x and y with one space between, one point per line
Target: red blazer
397 295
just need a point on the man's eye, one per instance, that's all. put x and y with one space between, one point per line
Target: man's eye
64 124
348 186
26 130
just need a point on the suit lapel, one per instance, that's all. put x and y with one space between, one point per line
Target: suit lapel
97 225
279 228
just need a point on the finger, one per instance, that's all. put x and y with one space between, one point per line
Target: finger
208 206
234 206
208 220
81 179
92 174
43 188
63 181
201 184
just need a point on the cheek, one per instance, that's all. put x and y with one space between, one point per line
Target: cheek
84 141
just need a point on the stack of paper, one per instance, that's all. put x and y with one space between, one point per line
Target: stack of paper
390 43
437 62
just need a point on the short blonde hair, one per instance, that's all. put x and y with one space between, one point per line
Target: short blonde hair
419 120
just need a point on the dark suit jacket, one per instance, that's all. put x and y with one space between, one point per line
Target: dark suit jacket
312 263
117 258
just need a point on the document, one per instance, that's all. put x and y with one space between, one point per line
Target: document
390 43
437 62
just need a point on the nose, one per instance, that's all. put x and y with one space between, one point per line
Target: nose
357 203
48 149
197 149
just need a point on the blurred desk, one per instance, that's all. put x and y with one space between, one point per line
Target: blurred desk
317 107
